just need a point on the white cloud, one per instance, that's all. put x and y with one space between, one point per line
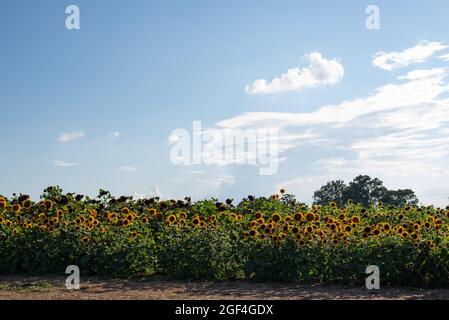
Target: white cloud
217 181
70 136
445 57
418 54
399 133
114 135
128 169
60 163
196 172
319 72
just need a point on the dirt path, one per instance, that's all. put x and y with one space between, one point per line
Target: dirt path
49 288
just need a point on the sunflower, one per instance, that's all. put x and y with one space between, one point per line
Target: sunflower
387 227
8 223
125 211
404 234
310 216
26 203
258 215
295 230
48 204
182 215
144 219
160 216
333 205
376 232
85 239
253 233
171 219
276 217
355 219
298 216
196 221
367 230
348 229
16 208
3 204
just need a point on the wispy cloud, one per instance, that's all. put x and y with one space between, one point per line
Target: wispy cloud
444 57
399 133
319 72
70 136
60 163
114 135
418 54
128 168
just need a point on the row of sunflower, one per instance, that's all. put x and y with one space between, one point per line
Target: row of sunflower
263 239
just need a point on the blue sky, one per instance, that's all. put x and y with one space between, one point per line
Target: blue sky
136 71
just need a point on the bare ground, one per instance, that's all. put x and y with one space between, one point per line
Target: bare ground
53 288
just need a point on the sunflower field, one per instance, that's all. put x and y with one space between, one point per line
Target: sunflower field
259 239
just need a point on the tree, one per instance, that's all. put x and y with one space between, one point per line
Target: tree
363 190
331 191
400 198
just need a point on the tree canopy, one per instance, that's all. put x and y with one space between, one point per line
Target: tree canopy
363 190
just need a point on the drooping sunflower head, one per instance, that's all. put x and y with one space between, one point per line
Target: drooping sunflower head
48 204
